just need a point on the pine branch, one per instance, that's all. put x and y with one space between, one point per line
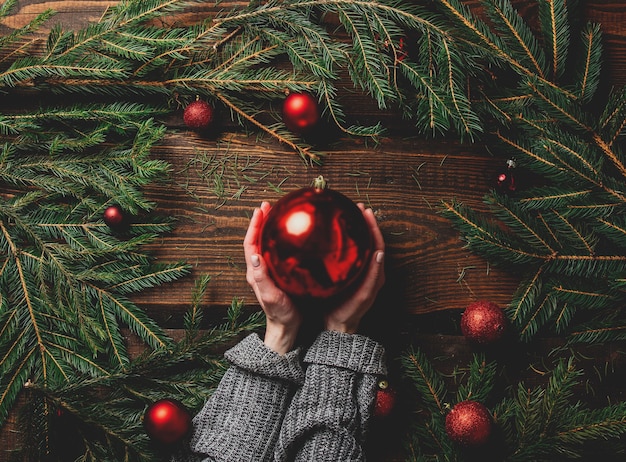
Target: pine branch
561 232
126 56
426 380
518 36
64 275
103 414
554 20
544 423
479 382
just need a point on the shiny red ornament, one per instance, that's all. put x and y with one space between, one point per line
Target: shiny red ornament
385 400
483 322
198 115
300 112
167 421
469 424
114 216
506 179
402 53
316 243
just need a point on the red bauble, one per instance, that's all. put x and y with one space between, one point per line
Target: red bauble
316 243
198 115
167 421
469 423
114 216
385 400
402 52
300 112
506 179
483 322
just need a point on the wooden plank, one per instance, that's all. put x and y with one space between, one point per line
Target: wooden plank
403 181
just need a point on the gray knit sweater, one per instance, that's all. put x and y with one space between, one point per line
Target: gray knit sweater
271 407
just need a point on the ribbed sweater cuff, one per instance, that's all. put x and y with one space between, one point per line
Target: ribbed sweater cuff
349 351
253 355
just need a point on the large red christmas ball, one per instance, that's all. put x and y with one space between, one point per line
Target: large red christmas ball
198 115
483 322
469 423
114 216
316 243
167 421
300 112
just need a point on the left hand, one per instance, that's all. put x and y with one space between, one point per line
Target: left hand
283 317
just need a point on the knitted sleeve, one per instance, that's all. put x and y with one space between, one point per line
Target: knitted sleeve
242 419
327 418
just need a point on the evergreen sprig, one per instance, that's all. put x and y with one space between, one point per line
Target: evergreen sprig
100 418
65 276
544 423
238 60
563 231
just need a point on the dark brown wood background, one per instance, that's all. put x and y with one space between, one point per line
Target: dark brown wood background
431 278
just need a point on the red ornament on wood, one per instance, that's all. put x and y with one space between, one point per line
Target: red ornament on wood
114 216
198 115
300 112
469 423
316 242
167 421
483 322
506 179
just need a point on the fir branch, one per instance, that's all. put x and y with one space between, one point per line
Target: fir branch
426 380
111 57
517 35
480 380
543 423
554 234
589 74
104 413
553 16
64 276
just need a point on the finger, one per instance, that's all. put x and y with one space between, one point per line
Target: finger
250 241
258 269
264 286
377 235
265 207
376 270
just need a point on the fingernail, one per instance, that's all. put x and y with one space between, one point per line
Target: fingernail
254 259
380 256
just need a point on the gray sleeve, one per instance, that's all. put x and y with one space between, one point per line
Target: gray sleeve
327 418
242 419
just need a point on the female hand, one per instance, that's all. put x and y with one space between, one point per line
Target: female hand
347 316
283 317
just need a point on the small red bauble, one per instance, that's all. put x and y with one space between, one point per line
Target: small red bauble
167 421
483 322
385 400
469 423
401 51
316 243
300 112
198 115
505 180
114 216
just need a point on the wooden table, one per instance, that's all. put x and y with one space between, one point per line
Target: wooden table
430 276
